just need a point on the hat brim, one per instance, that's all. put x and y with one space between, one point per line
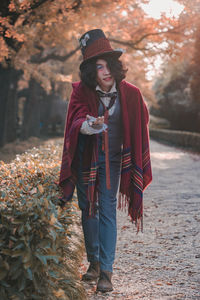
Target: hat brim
116 53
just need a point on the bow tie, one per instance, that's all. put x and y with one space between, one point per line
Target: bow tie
107 95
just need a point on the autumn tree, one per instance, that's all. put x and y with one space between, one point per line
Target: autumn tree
177 89
22 25
39 41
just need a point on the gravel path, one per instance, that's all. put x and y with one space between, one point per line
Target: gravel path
164 261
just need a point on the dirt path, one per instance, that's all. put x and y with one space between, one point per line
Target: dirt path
164 261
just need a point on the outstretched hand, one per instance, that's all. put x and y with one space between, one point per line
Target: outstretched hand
97 123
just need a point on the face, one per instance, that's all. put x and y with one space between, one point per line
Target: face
104 77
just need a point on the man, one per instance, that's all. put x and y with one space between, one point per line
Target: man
106 143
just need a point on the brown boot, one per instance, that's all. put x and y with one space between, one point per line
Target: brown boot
92 272
104 284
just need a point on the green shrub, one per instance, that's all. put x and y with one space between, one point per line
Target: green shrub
39 248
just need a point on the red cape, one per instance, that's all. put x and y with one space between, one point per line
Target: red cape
136 172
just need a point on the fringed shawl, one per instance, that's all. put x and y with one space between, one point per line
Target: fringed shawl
136 167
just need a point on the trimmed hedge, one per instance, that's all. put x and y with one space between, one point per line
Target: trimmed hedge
40 250
190 140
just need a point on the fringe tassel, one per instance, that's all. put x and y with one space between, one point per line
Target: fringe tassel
136 216
107 160
123 201
139 224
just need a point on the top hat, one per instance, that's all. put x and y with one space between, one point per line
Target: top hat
94 43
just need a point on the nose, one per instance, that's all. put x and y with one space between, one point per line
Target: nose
106 71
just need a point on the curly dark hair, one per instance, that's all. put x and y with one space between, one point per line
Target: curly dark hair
88 70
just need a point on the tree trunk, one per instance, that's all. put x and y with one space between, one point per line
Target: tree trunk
31 119
8 104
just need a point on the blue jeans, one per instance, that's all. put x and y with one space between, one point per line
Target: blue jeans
100 231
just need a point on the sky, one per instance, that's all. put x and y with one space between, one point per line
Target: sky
155 8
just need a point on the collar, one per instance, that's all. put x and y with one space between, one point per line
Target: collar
112 90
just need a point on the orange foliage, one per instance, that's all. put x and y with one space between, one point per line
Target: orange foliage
43 29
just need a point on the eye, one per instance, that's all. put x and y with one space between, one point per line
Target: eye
99 67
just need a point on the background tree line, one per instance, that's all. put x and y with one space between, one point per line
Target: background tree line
177 89
40 51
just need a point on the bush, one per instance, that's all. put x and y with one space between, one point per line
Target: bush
40 250
174 99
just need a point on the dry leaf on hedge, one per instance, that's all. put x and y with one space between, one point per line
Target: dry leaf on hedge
53 219
33 191
40 188
59 293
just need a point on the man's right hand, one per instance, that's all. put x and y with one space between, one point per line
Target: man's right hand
95 123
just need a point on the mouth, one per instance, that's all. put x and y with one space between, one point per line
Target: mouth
107 78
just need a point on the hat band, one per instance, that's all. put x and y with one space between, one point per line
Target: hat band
100 46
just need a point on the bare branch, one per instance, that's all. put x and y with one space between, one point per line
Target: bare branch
37 59
133 44
77 4
37 4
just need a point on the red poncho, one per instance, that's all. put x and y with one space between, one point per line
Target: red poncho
136 167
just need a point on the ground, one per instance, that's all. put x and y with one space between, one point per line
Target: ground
163 262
